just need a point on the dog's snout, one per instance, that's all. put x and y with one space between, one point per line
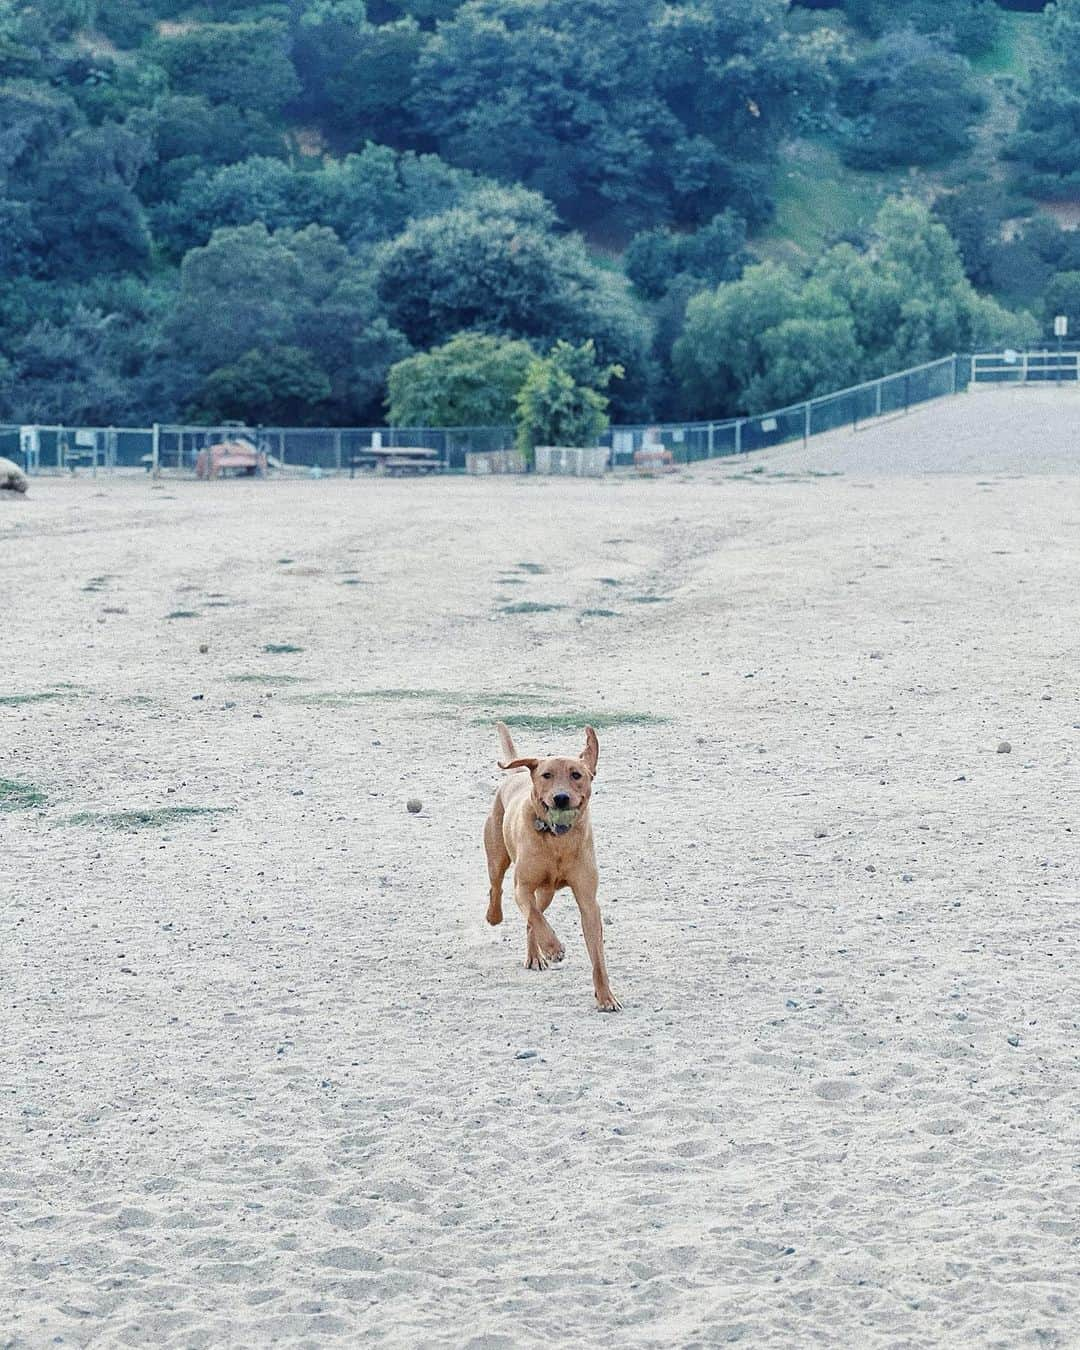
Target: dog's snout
561 800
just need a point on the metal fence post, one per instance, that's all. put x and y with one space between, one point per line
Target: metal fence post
806 424
738 437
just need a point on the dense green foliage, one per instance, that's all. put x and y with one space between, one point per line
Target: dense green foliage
773 338
259 209
1047 143
968 26
471 381
561 401
907 101
661 111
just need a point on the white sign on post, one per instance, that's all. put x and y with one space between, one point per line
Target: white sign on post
1061 325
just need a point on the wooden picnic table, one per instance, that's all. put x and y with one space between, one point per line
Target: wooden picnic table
396 459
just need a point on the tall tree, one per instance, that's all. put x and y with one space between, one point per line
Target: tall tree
252 291
562 401
494 266
907 101
244 64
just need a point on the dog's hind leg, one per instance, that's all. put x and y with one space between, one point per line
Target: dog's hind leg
498 861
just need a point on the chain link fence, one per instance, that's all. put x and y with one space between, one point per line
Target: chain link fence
893 394
346 450
175 449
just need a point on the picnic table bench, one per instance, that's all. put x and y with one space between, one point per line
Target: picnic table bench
396 459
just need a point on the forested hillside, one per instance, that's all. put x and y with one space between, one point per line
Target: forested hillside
255 210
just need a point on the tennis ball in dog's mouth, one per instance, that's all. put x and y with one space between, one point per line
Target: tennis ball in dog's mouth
559 819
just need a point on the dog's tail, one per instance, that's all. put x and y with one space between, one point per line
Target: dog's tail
506 743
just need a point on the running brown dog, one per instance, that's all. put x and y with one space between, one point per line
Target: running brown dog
539 822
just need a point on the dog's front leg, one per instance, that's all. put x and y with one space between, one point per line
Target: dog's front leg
540 940
584 888
549 942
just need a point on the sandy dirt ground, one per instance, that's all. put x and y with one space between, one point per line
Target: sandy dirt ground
269 1079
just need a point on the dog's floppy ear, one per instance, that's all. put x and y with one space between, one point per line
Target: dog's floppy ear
591 752
529 764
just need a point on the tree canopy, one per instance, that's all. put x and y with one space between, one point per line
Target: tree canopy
774 338
471 381
263 207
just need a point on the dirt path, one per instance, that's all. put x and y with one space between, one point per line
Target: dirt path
269 1079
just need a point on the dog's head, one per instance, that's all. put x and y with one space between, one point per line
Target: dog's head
562 785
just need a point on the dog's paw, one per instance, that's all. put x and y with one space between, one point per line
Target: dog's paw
536 961
554 951
607 1002
494 915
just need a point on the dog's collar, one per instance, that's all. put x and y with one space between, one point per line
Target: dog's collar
542 827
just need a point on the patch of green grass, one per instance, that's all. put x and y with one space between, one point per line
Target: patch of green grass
466 698
528 607
599 614
258 678
277 648
534 568
152 817
285 561
649 599
182 614
13 700
819 198
16 796
355 581
609 581
572 721
1016 47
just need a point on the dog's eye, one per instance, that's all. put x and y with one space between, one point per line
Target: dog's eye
547 775
575 774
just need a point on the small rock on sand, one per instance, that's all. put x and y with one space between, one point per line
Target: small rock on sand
1004 748
414 805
